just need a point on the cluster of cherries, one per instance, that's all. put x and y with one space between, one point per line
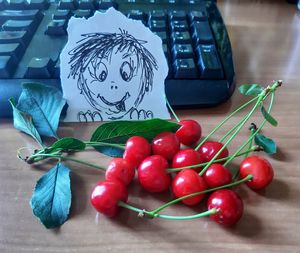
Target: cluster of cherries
152 161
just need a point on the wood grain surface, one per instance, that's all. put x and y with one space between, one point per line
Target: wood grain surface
265 37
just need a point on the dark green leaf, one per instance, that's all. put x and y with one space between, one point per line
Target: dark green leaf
266 143
120 131
110 151
23 122
250 89
68 143
44 104
51 199
268 117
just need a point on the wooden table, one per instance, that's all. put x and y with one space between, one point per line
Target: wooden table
265 37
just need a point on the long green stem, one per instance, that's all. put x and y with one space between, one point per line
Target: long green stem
255 132
251 149
104 144
32 159
225 120
233 135
164 216
157 210
172 111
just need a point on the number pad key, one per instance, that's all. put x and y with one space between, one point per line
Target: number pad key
181 37
182 51
179 26
185 69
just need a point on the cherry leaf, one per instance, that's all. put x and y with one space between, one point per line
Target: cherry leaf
266 143
51 199
268 117
250 89
67 144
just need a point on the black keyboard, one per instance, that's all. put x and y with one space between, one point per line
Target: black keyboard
195 42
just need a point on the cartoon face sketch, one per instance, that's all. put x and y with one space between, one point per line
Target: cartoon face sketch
107 67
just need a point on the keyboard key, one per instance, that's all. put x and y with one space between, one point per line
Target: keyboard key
202 33
82 13
17 5
87 5
38 4
208 62
15 50
185 69
56 73
57 28
179 26
3 5
157 15
62 14
20 15
181 37
166 50
198 15
158 25
162 35
7 66
68 5
106 4
137 15
19 25
14 37
183 51
177 15
40 68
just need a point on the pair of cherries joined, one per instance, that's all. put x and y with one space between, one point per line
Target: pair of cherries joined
152 163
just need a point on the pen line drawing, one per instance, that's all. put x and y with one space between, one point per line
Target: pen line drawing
112 91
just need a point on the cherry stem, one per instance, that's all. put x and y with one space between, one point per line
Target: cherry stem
172 111
157 210
144 213
104 144
251 149
32 159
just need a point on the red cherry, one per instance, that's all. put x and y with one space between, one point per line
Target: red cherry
136 150
229 206
120 169
186 157
165 144
107 194
217 175
189 132
187 182
260 169
210 148
152 174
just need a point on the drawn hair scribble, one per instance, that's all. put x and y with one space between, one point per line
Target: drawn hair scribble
97 46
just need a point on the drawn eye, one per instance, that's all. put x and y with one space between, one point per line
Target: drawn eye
126 71
101 72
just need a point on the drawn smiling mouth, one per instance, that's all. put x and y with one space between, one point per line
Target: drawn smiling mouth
120 105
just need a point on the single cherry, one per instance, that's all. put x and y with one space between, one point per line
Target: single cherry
210 148
107 194
165 144
187 182
189 132
136 150
187 157
260 169
217 175
152 174
229 207
120 169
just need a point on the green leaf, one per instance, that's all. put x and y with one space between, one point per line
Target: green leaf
44 104
120 131
23 122
266 143
250 89
268 117
51 199
67 144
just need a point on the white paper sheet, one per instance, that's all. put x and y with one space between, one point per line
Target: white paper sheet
113 68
